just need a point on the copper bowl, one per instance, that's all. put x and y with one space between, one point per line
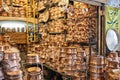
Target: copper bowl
96 69
80 66
71 50
113 55
112 64
97 60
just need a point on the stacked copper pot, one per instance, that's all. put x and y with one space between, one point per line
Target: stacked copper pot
73 64
96 68
11 64
33 73
113 66
113 61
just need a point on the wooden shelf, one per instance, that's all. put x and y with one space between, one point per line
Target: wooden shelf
31 20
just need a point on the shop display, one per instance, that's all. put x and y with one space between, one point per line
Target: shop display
80 21
67 42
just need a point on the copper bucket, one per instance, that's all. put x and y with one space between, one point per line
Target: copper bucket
32 59
34 73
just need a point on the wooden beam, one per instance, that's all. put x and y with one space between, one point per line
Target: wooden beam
96 3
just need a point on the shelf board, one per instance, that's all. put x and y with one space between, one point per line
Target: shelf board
82 43
31 20
63 74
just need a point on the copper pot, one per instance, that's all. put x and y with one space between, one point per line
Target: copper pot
96 69
32 58
11 65
94 76
112 64
71 50
34 73
113 55
11 56
81 66
14 75
97 60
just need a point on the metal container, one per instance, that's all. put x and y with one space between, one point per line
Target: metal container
96 69
97 60
1 74
1 56
71 50
14 75
94 76
32 58
34 73
11 65
12 54
113 64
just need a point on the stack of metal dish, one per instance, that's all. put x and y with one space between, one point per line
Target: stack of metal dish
96 68
11 63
